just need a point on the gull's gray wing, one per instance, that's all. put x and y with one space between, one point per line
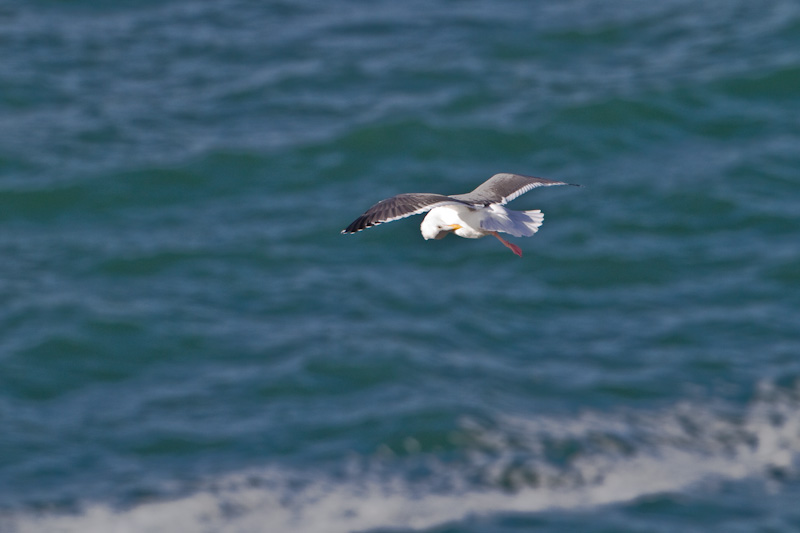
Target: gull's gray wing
502 188
400 206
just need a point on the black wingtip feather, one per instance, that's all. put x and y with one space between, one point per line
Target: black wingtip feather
356 226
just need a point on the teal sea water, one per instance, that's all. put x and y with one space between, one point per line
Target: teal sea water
187 342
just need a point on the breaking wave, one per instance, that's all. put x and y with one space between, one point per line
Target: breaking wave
512 464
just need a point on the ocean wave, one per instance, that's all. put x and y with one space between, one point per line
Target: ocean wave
515 464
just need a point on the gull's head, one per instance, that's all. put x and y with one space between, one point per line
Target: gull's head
432 229
439 222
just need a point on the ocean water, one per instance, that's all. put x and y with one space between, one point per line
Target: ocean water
187 342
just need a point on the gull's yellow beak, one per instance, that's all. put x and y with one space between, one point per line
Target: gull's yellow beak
454 227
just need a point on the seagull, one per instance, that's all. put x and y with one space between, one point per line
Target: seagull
472 215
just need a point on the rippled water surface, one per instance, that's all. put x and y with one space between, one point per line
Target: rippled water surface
187 343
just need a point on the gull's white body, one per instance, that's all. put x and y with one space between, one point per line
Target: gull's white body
476 222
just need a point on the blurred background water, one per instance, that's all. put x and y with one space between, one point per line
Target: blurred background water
187 343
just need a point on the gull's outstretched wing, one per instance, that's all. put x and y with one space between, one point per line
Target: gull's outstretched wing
397 207
502 188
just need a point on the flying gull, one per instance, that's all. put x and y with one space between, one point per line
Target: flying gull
472 215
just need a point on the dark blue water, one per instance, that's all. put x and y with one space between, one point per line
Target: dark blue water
187 343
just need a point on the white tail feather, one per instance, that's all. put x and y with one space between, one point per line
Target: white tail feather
516 223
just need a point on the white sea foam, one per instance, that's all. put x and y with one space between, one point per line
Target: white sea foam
626 456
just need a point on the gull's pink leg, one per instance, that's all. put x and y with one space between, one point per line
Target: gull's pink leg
513 247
